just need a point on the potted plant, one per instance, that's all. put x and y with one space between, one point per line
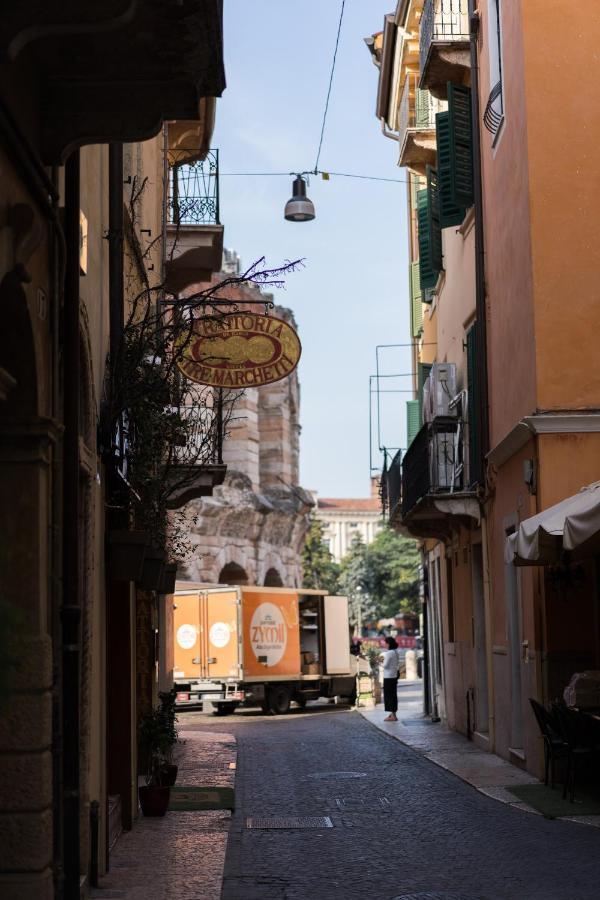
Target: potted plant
126 553
154 747
373 654
167 711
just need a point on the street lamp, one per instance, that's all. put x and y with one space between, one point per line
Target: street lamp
299 208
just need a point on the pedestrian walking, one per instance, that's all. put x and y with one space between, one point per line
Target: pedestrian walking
391 664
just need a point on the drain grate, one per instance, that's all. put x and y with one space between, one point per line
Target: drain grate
338 775
289 822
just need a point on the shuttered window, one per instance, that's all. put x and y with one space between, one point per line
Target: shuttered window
430 235
413 420
416 302
475 470
450 213
460 145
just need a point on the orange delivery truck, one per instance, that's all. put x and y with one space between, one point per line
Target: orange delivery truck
260 646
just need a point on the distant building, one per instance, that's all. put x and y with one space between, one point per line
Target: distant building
345 518
232 264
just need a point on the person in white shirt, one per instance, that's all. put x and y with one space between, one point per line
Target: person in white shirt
391 663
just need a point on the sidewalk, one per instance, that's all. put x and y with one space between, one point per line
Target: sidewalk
450 750
180 856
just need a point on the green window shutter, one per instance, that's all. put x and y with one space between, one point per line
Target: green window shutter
427 275
461 145
414 189
473 407
433 191
450 214
416 304
423 104
430 235
413 420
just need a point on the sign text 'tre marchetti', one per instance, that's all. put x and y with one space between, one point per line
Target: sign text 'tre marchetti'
239 350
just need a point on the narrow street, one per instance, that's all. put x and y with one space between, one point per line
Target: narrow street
402 827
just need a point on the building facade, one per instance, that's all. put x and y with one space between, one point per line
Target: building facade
88 168
506 380
345 519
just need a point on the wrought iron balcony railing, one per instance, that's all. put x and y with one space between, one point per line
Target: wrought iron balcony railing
417 108
442 21
193 190
392 485
433 464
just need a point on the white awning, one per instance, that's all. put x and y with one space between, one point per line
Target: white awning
573 525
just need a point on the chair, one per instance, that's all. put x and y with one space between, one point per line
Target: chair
575 732
555 747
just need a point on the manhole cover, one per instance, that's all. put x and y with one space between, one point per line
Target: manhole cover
429 895
338 775
290 822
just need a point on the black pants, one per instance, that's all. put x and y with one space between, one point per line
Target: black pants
390 694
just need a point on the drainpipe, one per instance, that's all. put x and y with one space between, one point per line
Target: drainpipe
70 614
389 134
480 306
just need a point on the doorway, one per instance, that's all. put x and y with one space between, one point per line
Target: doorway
479 641
513 621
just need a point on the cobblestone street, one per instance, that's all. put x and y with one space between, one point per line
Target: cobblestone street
402 826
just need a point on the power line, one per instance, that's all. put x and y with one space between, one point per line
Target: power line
318 172
337 41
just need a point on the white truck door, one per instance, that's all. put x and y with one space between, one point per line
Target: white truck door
337 636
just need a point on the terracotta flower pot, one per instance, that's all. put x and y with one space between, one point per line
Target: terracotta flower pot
126 551
152 571
154 799
167 585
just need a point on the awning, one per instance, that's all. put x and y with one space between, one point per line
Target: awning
572 525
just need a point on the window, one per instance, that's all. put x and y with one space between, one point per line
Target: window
494 110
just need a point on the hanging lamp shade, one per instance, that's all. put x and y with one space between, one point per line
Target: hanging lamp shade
299 208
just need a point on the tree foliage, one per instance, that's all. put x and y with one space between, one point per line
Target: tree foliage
320 571
383 576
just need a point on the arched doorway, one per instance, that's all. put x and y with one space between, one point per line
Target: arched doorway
273 578
233 574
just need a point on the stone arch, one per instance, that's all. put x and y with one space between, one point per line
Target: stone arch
238 554
273 578
232 573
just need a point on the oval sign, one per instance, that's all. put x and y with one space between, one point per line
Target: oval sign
238 350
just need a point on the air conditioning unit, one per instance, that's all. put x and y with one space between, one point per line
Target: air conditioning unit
442 390
442 452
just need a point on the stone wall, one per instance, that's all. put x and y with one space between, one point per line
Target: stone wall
255 523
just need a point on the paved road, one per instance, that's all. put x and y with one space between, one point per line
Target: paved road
403 828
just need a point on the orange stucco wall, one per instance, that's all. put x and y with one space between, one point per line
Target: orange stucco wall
563 128
511 362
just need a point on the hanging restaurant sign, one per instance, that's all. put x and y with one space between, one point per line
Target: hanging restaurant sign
238 350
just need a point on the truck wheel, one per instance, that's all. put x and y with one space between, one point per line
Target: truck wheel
351 698
224 709
279 700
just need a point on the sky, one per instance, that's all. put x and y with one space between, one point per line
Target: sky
352 293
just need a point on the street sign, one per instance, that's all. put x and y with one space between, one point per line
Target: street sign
238 350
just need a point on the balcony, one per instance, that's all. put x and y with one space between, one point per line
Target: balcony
443 44
194 233
392 487
433 480
416 126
